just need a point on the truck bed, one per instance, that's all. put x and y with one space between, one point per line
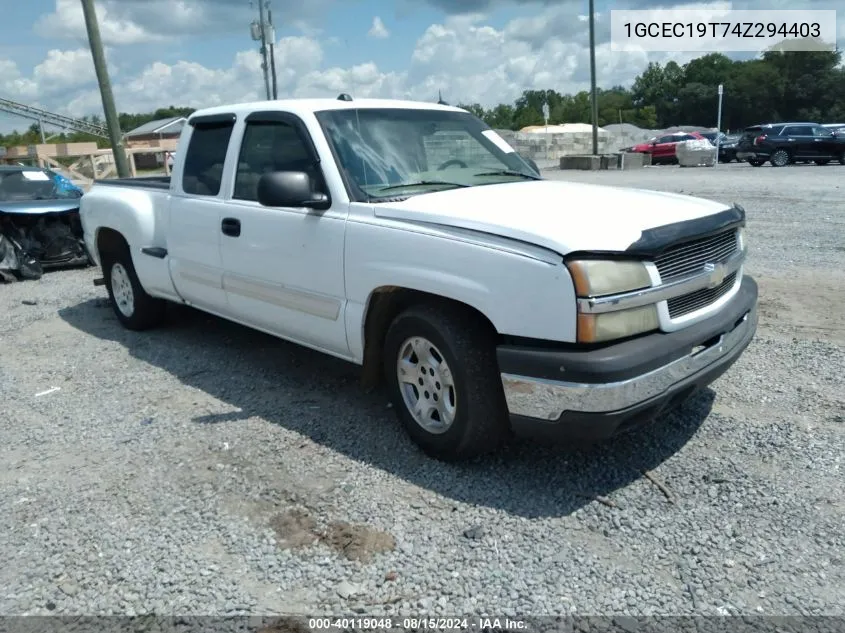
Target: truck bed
143 182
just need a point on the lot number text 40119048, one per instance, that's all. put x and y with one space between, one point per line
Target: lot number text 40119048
722 29
416 624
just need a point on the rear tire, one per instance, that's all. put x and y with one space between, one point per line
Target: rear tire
756 163
821 161
841 158
780 158
441 370
134 308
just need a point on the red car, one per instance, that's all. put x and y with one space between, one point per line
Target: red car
662 148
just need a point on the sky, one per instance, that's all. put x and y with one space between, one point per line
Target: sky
199 53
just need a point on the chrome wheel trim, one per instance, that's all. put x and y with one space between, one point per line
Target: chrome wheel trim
427 385
121 287
778 162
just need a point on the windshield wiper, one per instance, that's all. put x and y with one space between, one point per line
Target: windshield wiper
507 172
421 183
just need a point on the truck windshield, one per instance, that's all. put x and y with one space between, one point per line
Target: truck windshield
390 152
22 185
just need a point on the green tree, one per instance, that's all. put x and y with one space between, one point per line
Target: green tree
475 109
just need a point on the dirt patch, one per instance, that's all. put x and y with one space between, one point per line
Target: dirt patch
804 305
358 542
297 528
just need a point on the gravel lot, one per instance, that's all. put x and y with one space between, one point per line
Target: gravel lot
208 469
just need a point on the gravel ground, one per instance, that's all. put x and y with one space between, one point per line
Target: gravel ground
204 468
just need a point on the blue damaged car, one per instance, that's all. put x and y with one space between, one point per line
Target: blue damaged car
39 223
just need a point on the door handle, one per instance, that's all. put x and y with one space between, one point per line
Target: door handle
231 227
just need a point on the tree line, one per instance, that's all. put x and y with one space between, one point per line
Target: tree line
778 86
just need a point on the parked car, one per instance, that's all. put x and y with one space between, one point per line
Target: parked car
726 143
39 222
663 148
785 143
411 239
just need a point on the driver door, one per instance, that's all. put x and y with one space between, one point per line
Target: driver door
664 148
283 266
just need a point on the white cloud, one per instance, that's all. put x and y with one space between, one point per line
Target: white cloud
12 82
465 57
126 22
68 22
378 30
65 70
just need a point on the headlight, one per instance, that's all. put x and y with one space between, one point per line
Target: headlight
595 278
740 236
597 328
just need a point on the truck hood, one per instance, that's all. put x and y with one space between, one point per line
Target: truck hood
564 217
35 207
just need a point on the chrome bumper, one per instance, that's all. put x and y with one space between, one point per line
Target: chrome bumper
548 399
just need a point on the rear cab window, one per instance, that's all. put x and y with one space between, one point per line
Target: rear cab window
202 173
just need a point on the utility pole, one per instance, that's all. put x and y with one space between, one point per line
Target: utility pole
102 71
272 52
595 103
264 65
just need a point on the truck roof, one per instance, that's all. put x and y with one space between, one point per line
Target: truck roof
308 106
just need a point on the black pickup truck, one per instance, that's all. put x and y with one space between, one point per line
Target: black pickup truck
785 143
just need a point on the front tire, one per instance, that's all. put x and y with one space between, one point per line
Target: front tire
780 158
821 162
756 163
841 158
441 369
134 308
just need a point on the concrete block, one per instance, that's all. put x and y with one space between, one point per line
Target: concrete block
634 160
585 162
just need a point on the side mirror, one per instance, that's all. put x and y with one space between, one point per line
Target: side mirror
290 189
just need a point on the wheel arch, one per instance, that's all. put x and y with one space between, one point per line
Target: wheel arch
109 240
384 304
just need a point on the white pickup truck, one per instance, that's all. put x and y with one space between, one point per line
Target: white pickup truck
411 239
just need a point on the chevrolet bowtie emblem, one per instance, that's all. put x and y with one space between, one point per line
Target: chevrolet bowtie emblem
717 274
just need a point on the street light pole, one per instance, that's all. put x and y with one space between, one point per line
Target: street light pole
595 103
99 57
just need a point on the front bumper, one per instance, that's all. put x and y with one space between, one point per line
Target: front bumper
596 394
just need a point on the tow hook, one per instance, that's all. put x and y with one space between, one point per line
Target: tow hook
100 282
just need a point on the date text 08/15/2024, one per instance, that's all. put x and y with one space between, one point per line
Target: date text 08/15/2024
421 623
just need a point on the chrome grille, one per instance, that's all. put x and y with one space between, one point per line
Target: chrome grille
690 257
690 302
